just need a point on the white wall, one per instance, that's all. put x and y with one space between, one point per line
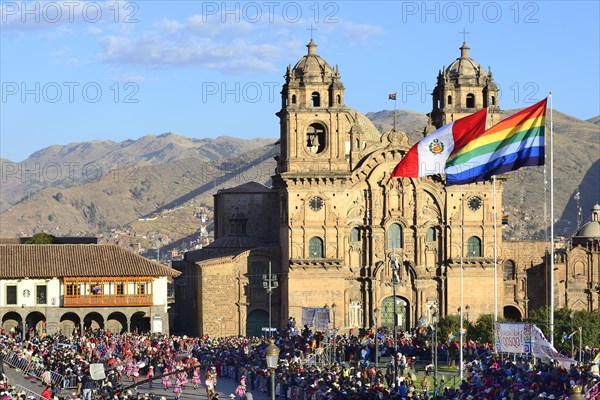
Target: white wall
159 296
53 288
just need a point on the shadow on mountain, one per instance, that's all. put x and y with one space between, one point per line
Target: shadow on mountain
589 196
231 169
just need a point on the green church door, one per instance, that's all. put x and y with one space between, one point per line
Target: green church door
387 313
256 320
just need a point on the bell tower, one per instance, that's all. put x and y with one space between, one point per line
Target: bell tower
313 120
313 168
462 89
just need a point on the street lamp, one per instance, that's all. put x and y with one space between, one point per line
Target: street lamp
434 317
395 279
572 315
270 283
333 308
272 356
376 317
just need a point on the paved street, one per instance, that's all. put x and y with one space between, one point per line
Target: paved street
225 387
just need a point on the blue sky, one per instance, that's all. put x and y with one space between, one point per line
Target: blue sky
75 71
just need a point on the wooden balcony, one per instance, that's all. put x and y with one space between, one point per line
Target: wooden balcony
99 300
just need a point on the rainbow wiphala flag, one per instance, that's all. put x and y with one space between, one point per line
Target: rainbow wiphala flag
515 142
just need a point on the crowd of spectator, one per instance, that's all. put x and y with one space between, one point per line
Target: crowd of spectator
346 369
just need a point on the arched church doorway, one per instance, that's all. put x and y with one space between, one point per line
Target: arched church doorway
256 320
512 313
402 314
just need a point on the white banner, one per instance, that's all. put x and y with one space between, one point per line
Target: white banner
513 338
542 348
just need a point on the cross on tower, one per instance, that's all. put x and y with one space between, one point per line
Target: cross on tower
464 33
311 29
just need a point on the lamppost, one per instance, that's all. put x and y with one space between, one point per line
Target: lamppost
333 308
572 315
395 279
376 318
270 283
327 336
434 317
272 356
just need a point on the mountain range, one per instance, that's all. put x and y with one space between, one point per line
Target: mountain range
97 187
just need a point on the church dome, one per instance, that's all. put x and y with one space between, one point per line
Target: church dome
464 66
364 124
592 228
312 67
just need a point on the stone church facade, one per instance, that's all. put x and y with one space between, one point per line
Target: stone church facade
333 225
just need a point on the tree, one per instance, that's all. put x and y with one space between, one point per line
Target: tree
483 330
589 322
450 323
41 238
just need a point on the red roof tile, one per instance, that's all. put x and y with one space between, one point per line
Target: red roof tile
75 260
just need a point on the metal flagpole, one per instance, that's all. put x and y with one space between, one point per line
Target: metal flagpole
551 224
495 262
462 250
395 112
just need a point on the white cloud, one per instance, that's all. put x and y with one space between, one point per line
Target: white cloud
152 50
359 32
64 56
93 30
134 78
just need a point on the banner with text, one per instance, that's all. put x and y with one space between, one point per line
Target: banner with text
317 318
513 338
542 348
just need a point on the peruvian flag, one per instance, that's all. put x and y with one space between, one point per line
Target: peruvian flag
429 155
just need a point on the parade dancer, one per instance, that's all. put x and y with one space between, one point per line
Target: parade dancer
178 389
196 381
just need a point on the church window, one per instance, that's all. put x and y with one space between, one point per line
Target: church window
315 247
338 99
449 100
315 138
237 225
255 274
493 100
578 268
355 235
474 247
509 270
293 99
430 236
470 100
355 314
315 100
395 237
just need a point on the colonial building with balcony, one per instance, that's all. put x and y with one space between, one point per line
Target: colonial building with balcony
63 288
